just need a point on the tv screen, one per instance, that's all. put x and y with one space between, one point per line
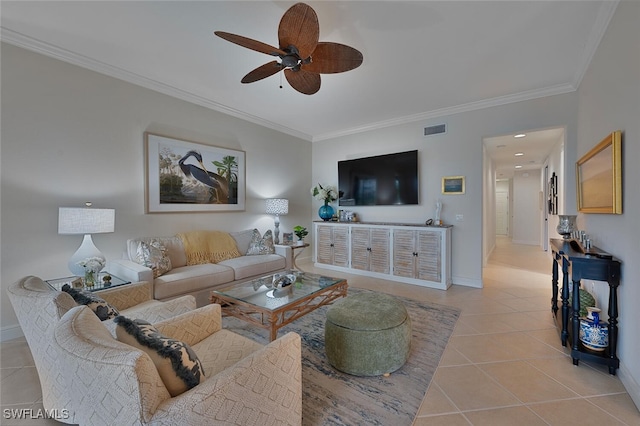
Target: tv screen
383 180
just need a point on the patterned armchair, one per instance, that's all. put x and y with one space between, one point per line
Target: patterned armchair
39 308
245 383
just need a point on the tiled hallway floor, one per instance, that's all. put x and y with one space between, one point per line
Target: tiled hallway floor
504 364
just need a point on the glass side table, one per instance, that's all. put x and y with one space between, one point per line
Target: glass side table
57 283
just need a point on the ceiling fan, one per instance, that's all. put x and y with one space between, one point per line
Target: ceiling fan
302 57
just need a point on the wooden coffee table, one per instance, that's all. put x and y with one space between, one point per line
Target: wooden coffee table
254 302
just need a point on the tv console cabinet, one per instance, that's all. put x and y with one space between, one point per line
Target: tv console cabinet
409 253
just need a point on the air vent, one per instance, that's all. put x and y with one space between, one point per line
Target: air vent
435 130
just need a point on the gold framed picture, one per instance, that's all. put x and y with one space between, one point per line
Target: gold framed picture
599 177
453 185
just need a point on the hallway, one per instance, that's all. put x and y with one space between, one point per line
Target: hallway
504 364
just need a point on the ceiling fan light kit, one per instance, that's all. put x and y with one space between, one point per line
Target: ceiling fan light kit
302 57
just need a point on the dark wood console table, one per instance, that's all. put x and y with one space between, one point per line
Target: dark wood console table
593 264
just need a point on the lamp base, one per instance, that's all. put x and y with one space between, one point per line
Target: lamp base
86 250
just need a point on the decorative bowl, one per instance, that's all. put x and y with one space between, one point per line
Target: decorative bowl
594 336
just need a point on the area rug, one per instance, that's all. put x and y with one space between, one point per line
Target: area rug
331 397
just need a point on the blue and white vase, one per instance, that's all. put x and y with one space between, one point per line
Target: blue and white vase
325 212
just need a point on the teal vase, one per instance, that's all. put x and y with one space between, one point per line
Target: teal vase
325 212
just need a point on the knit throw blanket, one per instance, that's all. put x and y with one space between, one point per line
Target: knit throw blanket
208 247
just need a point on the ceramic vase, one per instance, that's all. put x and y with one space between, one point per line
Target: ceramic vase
325 212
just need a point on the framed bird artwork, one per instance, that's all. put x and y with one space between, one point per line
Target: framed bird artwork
185 176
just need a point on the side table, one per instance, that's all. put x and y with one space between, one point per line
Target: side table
300 248
57 283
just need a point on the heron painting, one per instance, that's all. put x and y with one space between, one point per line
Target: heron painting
185 176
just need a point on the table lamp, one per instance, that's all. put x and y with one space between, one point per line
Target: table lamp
86 221
277 207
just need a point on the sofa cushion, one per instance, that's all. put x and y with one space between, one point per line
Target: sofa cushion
261 244
243 238
187 279
174 247
153 254
98 305
178 365
250 266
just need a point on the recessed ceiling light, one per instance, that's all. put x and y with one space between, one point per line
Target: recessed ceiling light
519 135
519 154
518 166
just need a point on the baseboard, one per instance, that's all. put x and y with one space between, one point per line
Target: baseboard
10 333
630 384
467 282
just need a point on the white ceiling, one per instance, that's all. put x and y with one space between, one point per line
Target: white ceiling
422 59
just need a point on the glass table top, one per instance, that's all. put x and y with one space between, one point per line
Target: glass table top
57 283
261 292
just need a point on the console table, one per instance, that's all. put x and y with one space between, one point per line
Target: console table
593 264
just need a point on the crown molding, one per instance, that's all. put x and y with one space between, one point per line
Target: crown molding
38 46
471 106
607 9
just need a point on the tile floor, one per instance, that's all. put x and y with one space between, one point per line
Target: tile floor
504 364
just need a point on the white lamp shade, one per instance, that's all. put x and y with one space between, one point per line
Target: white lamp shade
73 220
277 206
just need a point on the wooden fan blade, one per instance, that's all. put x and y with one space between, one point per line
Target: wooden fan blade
261 72
299 27
329 58
303 81
249 43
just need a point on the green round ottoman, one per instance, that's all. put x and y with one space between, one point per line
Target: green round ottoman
367 334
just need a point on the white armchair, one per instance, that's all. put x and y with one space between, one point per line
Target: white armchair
245 383
39 308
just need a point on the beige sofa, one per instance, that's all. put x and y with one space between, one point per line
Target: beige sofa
245 383
199 280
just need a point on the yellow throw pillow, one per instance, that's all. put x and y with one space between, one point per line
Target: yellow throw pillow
178 365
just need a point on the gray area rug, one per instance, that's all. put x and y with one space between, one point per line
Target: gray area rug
331 397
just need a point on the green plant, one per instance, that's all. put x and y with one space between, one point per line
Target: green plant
300 231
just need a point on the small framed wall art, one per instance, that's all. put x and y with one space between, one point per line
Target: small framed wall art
185 176
453 185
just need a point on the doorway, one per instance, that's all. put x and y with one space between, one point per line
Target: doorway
502 211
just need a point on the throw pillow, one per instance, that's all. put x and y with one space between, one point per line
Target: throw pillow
177 364
261 244
97 304
153 254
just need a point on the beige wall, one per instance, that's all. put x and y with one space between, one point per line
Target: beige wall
70 135
609 100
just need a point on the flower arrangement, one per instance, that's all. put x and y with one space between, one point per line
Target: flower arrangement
326 193
91 265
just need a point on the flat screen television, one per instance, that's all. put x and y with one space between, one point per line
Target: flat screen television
382 180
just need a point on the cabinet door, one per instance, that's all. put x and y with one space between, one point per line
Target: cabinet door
404 253
360 248
429 256
341 246
379 253
325 245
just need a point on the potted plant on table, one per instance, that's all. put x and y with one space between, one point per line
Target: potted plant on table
300 232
